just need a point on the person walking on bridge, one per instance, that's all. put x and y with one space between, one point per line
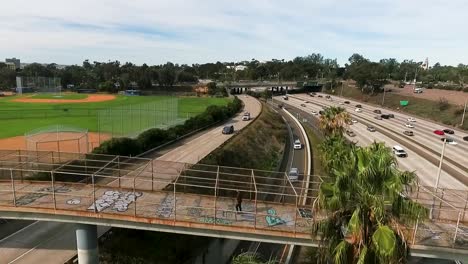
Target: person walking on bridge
239 202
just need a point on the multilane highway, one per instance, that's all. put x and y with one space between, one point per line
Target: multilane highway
424 141
46 242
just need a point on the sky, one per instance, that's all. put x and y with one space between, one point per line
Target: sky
186 32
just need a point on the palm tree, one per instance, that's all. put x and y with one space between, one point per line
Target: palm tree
367 209
334 120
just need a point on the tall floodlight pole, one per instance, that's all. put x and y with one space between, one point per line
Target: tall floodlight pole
342 85
383 98
464 111
439 170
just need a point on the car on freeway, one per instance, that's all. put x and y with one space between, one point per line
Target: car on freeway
385 116
340 103
408 132
409 125
465 138
450 141
391 115
303 105
399 152
377 111
319 96
378 117
358 110
439 132
371 128
297 144
314 112
346 102
307 102
411 119
359 106
293 174
350 133
228 129
449 131
285 97
321 112
354 121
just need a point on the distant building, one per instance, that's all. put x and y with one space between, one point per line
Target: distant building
14 61
10 65
425 65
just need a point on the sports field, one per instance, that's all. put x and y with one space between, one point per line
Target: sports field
17 118
60 96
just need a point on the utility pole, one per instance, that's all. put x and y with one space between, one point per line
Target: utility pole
439 170
383 98
463 116
341 93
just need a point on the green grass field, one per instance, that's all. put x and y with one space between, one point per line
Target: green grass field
60 96
17 118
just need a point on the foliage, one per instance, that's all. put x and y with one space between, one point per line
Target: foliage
334 120
364 196
443 104
249 258
155 137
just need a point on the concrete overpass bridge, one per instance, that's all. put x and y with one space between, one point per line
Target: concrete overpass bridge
192 199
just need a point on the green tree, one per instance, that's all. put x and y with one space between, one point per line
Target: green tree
334 120
364 198
249 258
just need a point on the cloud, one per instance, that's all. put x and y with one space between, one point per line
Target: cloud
156 31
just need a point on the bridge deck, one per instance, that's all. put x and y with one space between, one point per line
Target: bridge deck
168 194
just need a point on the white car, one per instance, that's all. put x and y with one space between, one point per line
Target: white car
449 141
297 144
411 119
341 103
409 125
358 110
399 151
354 121
314 113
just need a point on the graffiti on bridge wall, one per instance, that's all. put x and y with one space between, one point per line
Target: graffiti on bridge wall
118 200
272 219
166 207
32 197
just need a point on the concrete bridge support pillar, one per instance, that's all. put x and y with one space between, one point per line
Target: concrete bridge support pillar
87 244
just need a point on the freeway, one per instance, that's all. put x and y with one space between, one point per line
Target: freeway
451 176
60 244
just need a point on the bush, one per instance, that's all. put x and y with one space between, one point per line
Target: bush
443 104
119 146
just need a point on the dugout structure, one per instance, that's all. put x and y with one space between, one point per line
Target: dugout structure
58 138
38 84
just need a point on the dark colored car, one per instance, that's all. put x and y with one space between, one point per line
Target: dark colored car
350 133
359 106
377 111
465 138
449 131
391 116
228 129
371 128
408 133
303 105
346 102
319 96
321 112
385 116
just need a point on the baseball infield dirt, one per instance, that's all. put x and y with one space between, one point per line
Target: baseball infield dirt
90 99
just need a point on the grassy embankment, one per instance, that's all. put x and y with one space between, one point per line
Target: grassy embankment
17 118
448 114
259 146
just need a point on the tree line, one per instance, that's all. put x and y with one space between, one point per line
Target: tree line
369 75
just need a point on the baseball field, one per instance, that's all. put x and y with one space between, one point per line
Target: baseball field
106 114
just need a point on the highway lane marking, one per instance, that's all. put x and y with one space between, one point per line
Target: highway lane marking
27 252
22 229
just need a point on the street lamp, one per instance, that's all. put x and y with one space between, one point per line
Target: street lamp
464 111
383 98
436 187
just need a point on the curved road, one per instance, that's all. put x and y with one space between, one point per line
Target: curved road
49 242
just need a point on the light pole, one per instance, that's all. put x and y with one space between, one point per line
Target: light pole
342 85
439 170
383 98
463 116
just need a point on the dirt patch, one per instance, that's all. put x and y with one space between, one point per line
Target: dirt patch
91 99
453 97
19 142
